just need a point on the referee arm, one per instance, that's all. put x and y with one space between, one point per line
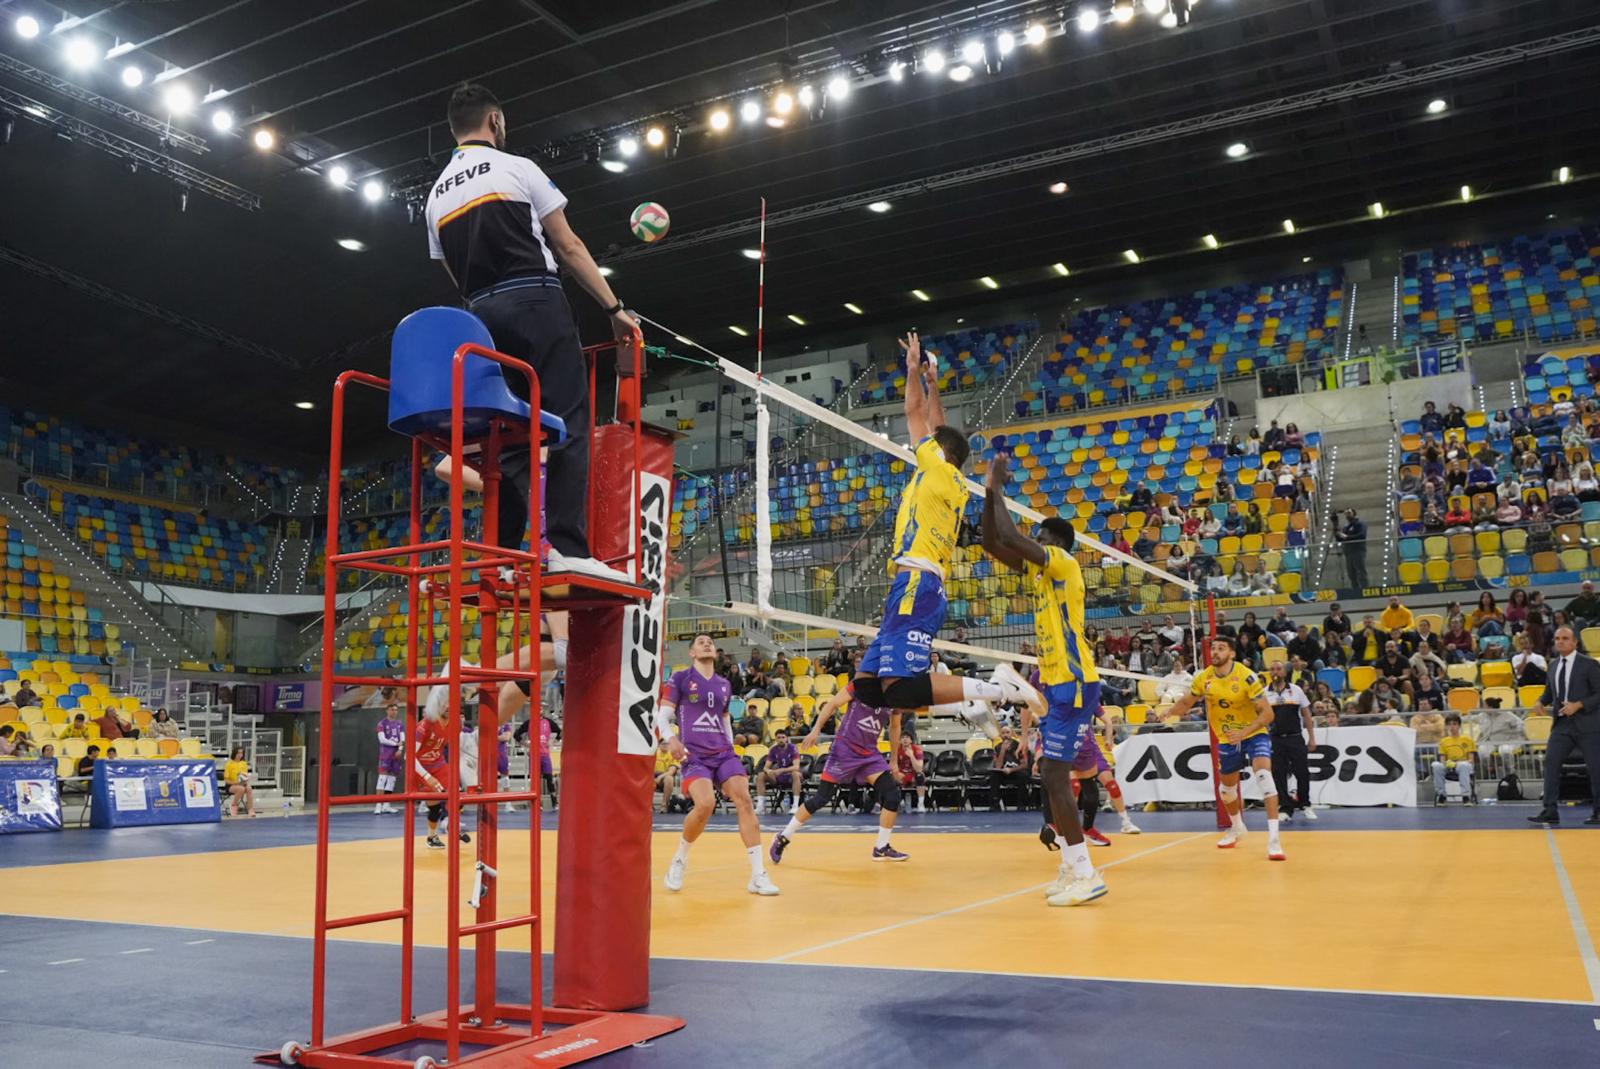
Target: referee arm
574 255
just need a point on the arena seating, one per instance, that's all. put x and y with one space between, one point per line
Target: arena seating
1545 285
1566 374
56 619
967 360
1150 350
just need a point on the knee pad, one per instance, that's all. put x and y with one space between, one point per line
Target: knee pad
1230 793
915 692
887 792
1114 789
1089 798
867 690
823 796
1077 787
1263 777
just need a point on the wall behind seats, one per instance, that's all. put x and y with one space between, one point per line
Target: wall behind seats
1359 406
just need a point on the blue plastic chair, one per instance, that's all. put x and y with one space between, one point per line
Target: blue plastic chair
420 359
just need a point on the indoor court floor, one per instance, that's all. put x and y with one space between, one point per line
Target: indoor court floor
1389 937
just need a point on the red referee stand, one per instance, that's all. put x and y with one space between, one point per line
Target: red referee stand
448 394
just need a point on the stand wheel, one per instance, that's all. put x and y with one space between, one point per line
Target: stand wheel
289 1053
425 1062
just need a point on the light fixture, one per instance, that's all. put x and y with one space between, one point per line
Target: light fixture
1130 256
628 146
1305 259
783 103
988 280
1035 33
222 119
27 27
740 331
132 76
1154 7
1210 241
796 320
305 406
1058 188
807 96
179 99
1288 226
750 110
353 244
838 87
960 72
372 190
1004 42
1466 192
1060 269
1376 209
720 119
338 175
1122 11
851 306
81 53
879 206
750 254
1563 175
1169 20
933 60
264 139
777 122
972 52
921 295
614 166
655 137
607 272
897 71
1437 105
1237 150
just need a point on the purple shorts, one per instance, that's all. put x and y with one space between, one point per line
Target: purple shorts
719 769
503 763
545 767
1090 758
389 764
782 779
845 767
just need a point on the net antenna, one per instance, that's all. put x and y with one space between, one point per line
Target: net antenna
763 472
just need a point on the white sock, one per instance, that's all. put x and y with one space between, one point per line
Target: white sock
883 837
1272 827
792 829
683 850
560 645
981 690
757 865
1076 858
1237 820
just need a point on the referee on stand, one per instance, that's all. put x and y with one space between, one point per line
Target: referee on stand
1290 713
499 225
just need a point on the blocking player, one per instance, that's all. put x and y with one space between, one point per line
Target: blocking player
391 737
1236 706
1066 670
699 697
853 759
895 673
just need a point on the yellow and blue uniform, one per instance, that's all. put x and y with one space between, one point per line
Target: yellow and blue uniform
1231 706
1067 675
925 531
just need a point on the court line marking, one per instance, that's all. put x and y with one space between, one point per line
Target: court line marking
913 921
138 950
1580 930
197 942
65 961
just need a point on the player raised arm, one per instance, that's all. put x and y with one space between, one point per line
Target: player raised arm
933 406
917 425
824 711
1001 539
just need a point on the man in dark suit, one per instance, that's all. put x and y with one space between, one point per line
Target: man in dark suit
1573 697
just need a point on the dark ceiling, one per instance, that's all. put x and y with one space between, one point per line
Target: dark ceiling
222 317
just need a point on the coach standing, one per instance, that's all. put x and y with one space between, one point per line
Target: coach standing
1573 697
1291 713
499 225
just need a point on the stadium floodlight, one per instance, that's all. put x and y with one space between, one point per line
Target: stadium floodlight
960 72
740 331
1376 209
264 139
1237 151
933 60
750 254
132 77
1004 42
972 52
655 137
879 206
897 71
628 146
851 306
1169 21
783 103
352 244
750 110
1122 12
1035 34
807 96
222 120
1437 106
921 295
81 53
1466 193
372 190
1058 188
1288 226
720 119
1563 175
1130 255
338 175
607 272
614 166
838 87
179 99
27 27
1088 20
1060 269
1210 241
989 282
1154 7
796 320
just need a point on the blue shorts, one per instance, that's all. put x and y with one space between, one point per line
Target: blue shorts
912 615
1236 756
1072 711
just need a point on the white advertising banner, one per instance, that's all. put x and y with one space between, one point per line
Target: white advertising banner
644 626
1354 766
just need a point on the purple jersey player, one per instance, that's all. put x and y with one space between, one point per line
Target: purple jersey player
782 770
699 698
853 760
391 737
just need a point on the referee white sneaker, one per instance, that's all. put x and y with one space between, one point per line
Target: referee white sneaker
1018 691
556 561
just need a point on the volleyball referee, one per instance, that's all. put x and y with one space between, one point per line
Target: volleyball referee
499 225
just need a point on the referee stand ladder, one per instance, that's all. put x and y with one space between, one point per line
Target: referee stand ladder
448 393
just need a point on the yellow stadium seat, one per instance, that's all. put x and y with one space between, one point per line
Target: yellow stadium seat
1463 699
1274 655
1497 674
1411 572
1466 673
1538 728
1506 695
1362 676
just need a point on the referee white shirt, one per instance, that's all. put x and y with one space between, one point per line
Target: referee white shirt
485 217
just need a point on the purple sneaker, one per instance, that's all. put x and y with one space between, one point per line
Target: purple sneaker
888 853
775 852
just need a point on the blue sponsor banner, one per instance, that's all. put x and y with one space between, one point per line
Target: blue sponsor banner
30 798
137 794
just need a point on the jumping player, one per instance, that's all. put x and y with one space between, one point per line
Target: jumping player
1066 669
391 737
854 759
895 673
699 697
1236 705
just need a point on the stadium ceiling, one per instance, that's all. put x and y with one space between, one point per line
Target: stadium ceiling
158 262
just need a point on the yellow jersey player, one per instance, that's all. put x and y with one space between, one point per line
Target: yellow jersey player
895 674
1236 706
1067 672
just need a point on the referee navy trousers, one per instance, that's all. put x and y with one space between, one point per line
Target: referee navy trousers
535 324
1290 758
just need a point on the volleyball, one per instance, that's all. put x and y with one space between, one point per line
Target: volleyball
650 222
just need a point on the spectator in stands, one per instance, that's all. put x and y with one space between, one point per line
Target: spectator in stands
1224 628
1459 517
1013 766
1575 435
1509 514
78 729
1394 666
1121 545
1204 569
1233 520
162 726
86 762
1528 666
1409 485
1254 521
1386 698
1239 581
1145 546
1585 484
1176 683
728 669
1498 726
1499 425
911 770
1584 610
1367 644
1456 752
25 696
1455 418
1292 438
1431 422
1483 513
1141 500
1480 476
1425 690
1565 506
1336 622
8 740
1334 653
47 752
236 778
1235 447
1177 562
1539 625
1488 614
666 775
1273 439
837 659
1252 444
1307 646
1352 537
1261 580
1541 536
1252 639
1171 633
1210 526
113 725
1516 610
